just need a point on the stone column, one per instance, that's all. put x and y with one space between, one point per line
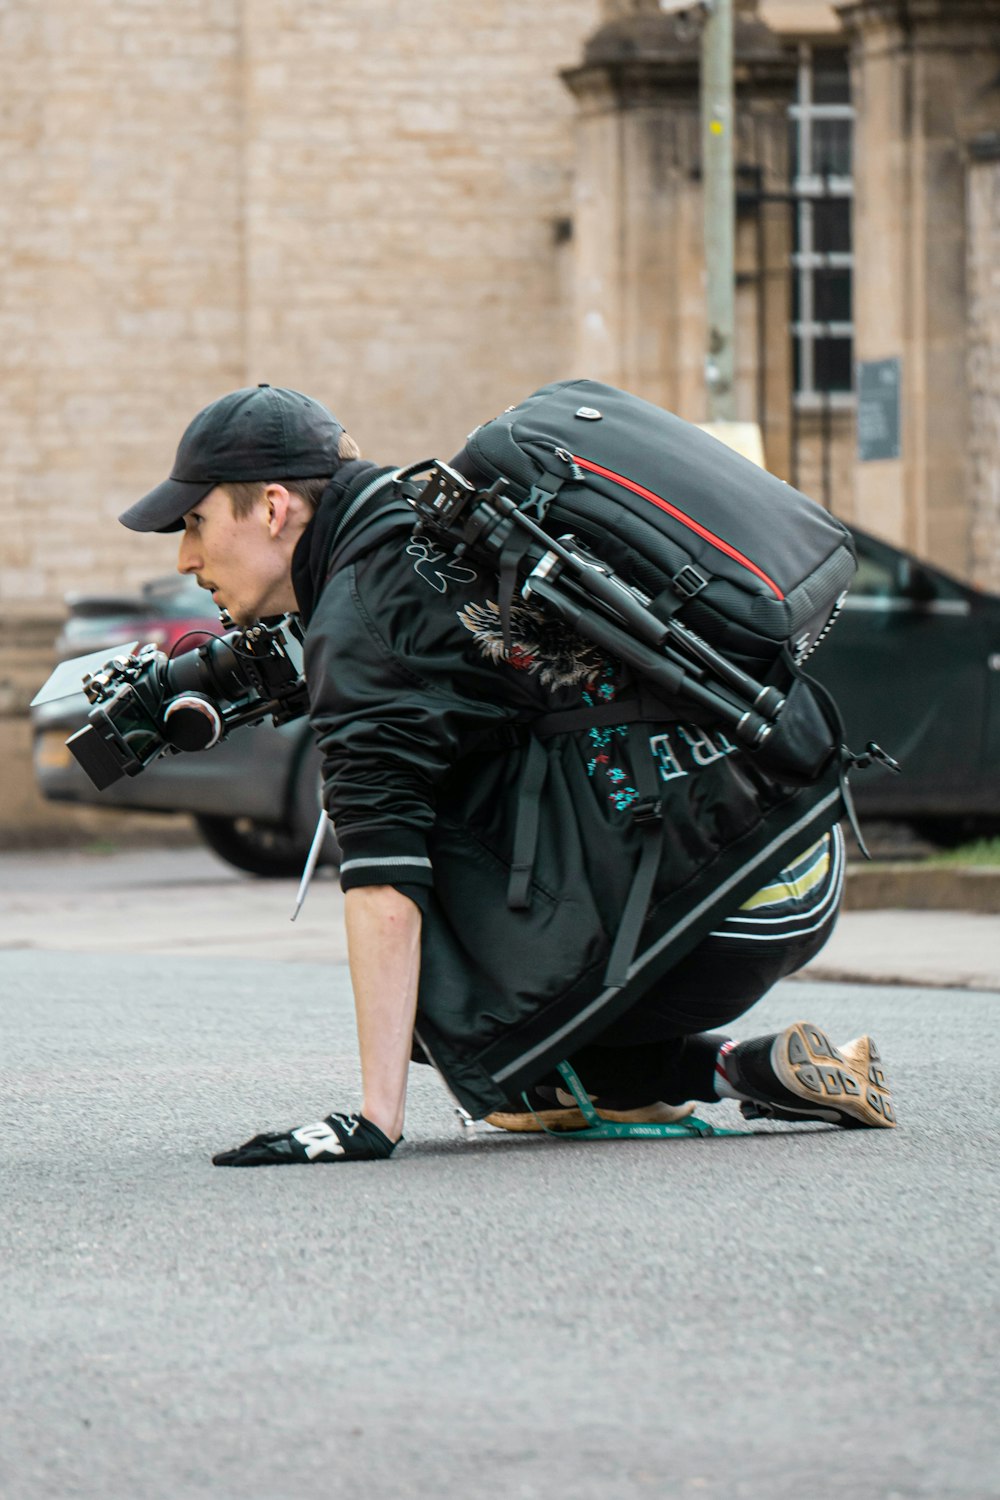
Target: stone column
924 80
638 230
984 360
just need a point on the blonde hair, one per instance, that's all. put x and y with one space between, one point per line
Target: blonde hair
245 496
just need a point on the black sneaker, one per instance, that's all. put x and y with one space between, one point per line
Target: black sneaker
556 1109
800 1075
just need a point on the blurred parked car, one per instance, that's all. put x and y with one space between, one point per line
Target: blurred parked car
914 662
254 797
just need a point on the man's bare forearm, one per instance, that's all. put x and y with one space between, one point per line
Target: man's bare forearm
383 943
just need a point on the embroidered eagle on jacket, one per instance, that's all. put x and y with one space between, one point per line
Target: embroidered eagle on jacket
540 644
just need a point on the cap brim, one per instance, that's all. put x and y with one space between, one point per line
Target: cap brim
164 508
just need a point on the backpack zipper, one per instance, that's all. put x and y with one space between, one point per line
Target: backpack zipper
678 515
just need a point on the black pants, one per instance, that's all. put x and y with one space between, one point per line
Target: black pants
665 1047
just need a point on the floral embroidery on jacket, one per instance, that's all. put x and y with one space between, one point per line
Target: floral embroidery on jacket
540 644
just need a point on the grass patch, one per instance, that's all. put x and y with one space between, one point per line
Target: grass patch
981 853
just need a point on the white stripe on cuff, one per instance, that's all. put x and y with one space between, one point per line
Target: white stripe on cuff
387 859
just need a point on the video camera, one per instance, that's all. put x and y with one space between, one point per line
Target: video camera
146 703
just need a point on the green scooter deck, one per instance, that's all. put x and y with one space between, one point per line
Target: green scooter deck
597 1129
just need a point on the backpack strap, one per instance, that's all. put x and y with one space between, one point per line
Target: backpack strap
371 516
599 1129
514 549
345 476
642 707
369 533
647 812
529 800
544 490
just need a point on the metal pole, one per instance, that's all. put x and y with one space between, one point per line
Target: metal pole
717 128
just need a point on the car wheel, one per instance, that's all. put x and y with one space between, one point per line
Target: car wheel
257 848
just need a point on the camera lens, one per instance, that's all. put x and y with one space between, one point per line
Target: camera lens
213 669
192 722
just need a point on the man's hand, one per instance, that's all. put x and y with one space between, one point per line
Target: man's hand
338 1138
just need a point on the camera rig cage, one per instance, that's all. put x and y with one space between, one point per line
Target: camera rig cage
145 703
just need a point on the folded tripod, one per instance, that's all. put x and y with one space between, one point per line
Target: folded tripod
592 600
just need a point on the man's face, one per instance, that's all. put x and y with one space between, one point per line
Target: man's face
245 561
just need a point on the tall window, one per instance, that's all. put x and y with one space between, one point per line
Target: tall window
822 259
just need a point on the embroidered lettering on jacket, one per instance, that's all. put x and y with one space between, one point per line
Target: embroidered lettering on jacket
540 644
677 752
436 566
686 742
543 645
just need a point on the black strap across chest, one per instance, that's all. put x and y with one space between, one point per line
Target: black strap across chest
647 812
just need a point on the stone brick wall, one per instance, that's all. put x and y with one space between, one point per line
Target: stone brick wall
372 200
639 216
984 366
367 200
363 200
824 465
120 267
408 171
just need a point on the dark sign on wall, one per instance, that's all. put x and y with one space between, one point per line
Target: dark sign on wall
878 408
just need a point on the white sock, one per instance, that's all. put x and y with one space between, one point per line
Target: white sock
723 1088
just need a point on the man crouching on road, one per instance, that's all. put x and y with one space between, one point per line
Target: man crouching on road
424 722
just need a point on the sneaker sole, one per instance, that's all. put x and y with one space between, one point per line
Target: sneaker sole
849 1081
544 1119
572 1119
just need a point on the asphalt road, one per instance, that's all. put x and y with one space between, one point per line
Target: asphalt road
800 1312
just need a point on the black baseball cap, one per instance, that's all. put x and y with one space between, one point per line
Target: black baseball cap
262 432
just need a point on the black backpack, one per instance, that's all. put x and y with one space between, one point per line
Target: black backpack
711 578
745 560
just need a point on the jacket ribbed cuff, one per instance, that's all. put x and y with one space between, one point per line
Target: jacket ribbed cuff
385 857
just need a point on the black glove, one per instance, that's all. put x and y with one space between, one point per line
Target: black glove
335 1139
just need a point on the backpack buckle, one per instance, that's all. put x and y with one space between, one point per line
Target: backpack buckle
538 502
688 582
882 757
647 810
874 755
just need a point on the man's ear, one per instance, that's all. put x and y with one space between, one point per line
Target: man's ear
278 501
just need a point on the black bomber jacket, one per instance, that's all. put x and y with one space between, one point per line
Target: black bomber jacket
424 725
